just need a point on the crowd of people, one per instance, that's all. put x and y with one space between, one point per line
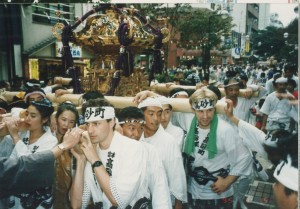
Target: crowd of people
149 156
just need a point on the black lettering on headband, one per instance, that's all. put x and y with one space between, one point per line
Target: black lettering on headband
204 103
99 111
88 113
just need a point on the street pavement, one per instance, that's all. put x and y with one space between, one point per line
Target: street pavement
262 202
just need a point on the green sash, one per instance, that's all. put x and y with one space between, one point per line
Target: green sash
212 138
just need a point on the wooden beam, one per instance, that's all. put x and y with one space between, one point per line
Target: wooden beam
160 88
179 104
165 88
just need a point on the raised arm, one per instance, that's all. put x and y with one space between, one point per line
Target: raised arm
100 172
139 97
229 112
34 171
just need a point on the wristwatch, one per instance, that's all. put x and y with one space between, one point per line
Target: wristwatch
97 163
61 147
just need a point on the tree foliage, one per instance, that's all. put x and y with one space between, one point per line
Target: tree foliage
191 23
173 13
271 42
203 24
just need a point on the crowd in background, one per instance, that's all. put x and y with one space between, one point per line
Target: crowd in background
193 160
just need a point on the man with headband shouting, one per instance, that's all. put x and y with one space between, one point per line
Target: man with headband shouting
112 167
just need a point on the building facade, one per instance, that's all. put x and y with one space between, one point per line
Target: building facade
28 48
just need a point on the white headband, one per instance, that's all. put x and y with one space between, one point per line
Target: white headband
287 175
281 80
231 84
183 93
34 92
99 113
132 121
203 104
33 84
150 101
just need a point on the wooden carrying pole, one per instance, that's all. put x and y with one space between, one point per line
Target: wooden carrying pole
179 105
62 81
160 88
165 88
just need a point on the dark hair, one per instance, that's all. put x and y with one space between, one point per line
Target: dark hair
291 67
292 82
143 109
215 90
230 73
46 81
130 112
44 107
243 76
170 106
287 144
67 106
17 103
92 95
99 102
205 78
276 72
4 105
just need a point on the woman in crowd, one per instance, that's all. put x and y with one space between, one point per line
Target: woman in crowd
36 138
66 118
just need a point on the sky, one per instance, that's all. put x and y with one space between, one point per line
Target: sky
285 12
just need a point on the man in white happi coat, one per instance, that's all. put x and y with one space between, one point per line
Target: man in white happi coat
242 105
112 167
132 121
276 108
167 148
167 124
270 83
216 157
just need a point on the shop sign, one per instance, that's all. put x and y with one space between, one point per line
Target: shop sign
236 53
238 50
33 69
75 50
